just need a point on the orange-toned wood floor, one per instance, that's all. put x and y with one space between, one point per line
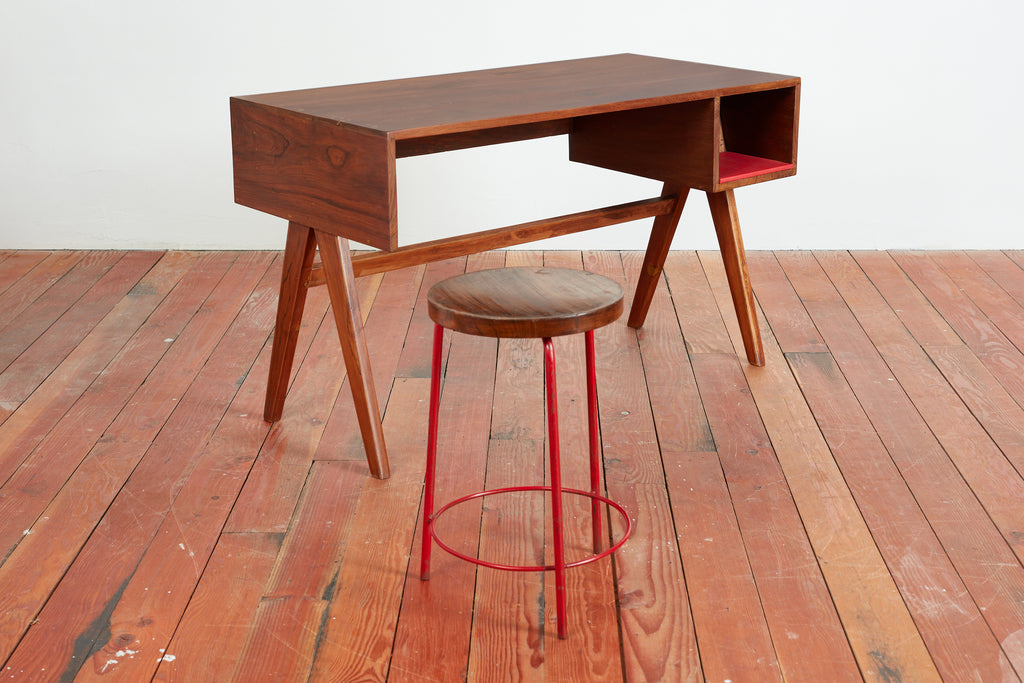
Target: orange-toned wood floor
853 510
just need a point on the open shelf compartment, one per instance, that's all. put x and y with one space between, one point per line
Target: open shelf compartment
759 132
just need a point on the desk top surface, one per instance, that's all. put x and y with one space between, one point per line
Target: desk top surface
475 100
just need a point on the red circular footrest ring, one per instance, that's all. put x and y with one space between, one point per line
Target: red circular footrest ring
528 568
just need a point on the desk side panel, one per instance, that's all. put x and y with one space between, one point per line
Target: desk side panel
314 172
675 143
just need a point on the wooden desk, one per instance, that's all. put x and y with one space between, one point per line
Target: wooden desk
324 159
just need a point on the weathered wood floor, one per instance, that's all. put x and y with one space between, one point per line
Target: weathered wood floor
853 510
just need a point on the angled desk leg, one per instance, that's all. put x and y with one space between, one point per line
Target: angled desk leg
298 261
657 251
337 264
730 241
299 250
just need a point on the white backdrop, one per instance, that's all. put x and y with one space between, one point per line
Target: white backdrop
114 115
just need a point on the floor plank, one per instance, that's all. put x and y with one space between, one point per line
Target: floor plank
14 266
368 586
24 288
977 459
981 334
792 589
81 604
53 303
657 632
31 368
981 557
854 510
878 624
437 614
239 566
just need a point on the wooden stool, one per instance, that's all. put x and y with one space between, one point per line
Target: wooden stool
526 303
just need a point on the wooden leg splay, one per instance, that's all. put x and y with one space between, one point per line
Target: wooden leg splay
730 241
337 262
298 261
657 251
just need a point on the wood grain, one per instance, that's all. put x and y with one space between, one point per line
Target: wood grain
681 426
515 527
375 555
977 459
730 241
426 106
109 399
675 401
23 293
209 639
386 325
91 586
268 499
879 626
722 592
525 302
676 144
325 158
315 173
981 334
910 304
174 535
341 284
210 479
1003 270
656 630
16 264
300 246
989 296
704 330
914 450
53 303
796 601
55 428
31 368
415 358
501 238
790 325
658 246
65 383
437 614
298 592
988 401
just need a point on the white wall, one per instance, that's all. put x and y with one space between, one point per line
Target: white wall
114 118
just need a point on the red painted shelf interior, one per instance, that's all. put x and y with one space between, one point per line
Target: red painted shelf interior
735 166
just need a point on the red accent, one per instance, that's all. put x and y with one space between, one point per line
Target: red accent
556 485
441 543
595 438
556 489
735 166
428 495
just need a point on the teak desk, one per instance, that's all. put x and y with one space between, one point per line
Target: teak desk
324 159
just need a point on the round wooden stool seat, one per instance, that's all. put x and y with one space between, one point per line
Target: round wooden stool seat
525 302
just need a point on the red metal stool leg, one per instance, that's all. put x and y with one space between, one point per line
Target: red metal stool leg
428 493
556 485
595 440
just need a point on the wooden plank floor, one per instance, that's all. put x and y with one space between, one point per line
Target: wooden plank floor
852 511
